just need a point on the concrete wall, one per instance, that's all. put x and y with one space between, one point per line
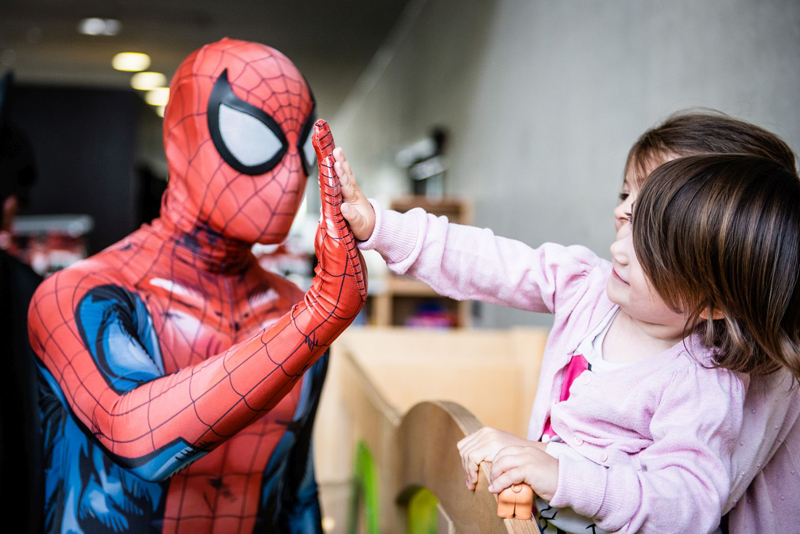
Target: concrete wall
544 98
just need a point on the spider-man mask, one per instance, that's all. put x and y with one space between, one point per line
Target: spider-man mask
237 134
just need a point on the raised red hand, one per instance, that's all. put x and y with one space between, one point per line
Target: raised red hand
335 245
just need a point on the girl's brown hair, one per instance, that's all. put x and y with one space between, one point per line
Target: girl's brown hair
722 233
692 132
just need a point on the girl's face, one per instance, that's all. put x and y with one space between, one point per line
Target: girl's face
630 187
627 197
629 288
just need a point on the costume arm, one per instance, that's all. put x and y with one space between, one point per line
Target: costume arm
92 337
469 263
682 479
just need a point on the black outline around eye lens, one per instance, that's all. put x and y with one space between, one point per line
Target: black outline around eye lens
306 131
223 94
304 134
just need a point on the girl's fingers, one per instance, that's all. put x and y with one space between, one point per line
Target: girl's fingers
347 183
507 469
470 462
474 459
475 449
464 441
508 478
353 217
344 170
349 192
463 451
472 477
475 437
465 462
351 177
338 153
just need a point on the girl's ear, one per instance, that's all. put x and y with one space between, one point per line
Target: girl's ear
717 314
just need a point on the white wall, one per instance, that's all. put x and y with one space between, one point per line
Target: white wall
544 98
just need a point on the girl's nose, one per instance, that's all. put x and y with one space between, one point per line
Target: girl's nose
620 247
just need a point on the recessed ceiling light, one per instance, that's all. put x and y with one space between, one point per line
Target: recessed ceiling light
131 61
157 97
97 26
144 81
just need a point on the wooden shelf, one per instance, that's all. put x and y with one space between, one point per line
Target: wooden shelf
402 296
456 210
407 287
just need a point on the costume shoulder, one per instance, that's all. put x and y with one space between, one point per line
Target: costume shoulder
90 302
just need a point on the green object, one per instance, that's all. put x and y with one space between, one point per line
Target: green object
365 490
423 516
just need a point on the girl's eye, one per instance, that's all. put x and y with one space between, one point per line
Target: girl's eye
623 196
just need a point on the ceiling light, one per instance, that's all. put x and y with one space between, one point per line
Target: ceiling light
144 81
157 97
96 26
131 61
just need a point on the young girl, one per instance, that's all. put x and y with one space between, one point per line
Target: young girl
765 462
642 419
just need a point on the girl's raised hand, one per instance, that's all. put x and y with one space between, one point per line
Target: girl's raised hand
356 209
483 446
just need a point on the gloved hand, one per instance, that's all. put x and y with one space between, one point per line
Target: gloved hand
339 288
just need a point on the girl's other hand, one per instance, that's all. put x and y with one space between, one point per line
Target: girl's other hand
483 446
356 209
529 464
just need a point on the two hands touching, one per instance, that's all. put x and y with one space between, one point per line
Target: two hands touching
514 460
356 209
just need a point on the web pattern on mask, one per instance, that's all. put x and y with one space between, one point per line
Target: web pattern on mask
251 208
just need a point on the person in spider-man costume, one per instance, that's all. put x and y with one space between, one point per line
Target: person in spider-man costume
180 379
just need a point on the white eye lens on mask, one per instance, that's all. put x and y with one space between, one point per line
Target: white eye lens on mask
249 139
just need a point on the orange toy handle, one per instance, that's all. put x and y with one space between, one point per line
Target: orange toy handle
515 502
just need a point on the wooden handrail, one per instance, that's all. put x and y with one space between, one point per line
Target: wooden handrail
384 379
428 436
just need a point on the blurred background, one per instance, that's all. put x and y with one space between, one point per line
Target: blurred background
514 115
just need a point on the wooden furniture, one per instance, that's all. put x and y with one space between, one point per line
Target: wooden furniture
400 295
428 436
375 396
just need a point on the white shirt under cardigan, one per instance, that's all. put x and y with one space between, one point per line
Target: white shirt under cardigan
648 434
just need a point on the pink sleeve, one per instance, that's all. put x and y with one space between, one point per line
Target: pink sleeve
679 483
469 263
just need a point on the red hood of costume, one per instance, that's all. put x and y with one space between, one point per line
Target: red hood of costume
238 120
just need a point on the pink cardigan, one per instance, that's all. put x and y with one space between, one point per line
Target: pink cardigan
665 455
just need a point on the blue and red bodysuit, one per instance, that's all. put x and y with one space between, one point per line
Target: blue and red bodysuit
181 380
